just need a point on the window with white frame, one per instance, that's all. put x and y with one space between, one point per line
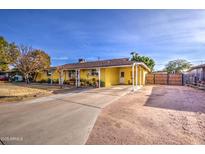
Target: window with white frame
71 74
93 72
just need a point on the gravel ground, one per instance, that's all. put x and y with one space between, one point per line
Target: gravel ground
153 115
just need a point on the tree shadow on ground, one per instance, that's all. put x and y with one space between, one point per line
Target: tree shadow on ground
177 98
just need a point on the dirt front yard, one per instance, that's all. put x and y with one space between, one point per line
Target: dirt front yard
153 115
13 92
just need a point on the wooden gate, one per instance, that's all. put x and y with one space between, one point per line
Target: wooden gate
164 79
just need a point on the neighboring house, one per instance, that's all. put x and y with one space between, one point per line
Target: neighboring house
11 75
110 72
195 74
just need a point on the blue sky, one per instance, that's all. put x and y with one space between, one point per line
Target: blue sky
67 35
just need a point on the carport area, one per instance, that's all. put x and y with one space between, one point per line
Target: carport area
57 119
155 114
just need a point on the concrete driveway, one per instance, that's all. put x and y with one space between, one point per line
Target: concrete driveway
58 119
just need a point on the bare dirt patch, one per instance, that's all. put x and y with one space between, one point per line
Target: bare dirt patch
153 115
16 92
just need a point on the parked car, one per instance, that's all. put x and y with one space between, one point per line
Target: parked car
17 78
4 76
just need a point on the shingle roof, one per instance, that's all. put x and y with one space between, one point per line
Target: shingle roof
99 63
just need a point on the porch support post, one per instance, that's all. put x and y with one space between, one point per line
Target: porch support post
133 76
51 77
79 78
76 78
140 76
99 77
136 76
61 76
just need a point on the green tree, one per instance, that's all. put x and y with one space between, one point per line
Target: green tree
31 61
8 54
177 66
147 60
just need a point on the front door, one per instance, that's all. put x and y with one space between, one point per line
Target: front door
122 77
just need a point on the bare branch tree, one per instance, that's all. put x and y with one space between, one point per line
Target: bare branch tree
31 61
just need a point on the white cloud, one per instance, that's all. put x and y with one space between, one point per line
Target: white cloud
59 58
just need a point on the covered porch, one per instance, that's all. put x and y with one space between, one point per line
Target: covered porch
106 76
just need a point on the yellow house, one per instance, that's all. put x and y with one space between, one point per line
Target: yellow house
102 72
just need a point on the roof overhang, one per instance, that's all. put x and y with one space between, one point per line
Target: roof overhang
135 63
98 67
143 65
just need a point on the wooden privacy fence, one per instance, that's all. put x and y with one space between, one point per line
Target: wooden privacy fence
164 79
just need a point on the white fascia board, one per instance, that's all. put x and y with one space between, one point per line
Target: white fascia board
142 64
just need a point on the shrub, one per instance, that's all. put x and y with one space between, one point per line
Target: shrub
87 82
48 80
72 81
66 82
55 81
43 81
82 82
102 83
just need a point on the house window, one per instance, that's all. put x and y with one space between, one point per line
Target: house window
94 72
71 74
49 73
122 74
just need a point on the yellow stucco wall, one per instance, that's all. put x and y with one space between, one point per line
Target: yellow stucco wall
55 75
43 76
110 75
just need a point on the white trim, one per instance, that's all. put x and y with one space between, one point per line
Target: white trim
136 77
61 77
140 75
133 76
138 63
143 64
99 77
51 77
76 78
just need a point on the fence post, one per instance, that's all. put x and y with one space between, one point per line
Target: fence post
154 78
182 79
167 79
